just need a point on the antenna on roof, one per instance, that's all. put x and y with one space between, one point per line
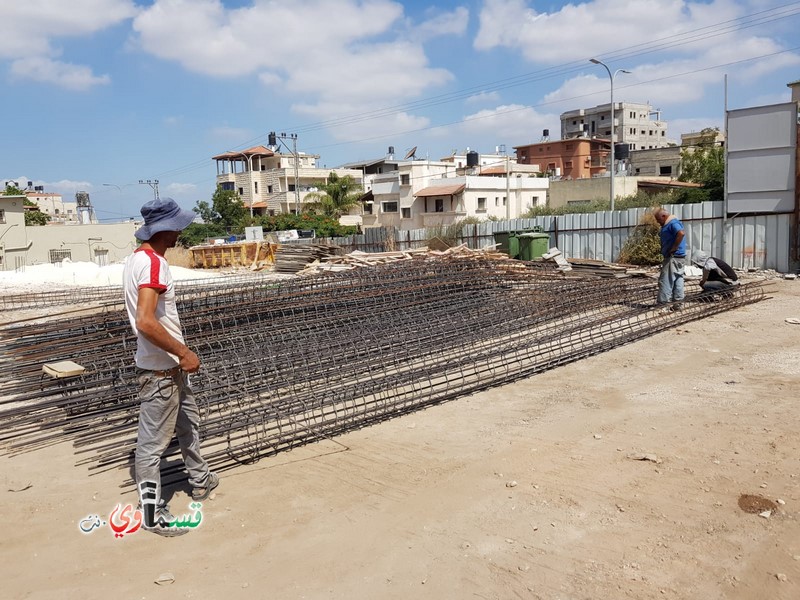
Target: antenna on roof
411 154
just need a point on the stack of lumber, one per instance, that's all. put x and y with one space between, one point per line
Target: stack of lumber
291 258
358 259
584 267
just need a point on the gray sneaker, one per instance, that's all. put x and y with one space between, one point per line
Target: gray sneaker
201 493
162 525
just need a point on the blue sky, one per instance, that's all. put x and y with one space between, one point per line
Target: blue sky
116 91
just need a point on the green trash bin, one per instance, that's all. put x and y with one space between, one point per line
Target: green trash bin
533 245
509 243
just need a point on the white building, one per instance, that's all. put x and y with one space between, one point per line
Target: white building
638 125
423 193
273 183
54 205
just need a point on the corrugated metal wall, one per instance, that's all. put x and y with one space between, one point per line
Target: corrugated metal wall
761 242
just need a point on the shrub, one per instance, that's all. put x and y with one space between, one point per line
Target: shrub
643 246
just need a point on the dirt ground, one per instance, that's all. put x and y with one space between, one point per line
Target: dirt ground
530 490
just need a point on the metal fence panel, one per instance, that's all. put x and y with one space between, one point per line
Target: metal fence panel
761 242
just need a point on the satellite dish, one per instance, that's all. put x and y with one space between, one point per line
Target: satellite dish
410 153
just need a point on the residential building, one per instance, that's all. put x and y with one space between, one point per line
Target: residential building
423 193
577 158
660 162
270 182
638 125
54 205
22 245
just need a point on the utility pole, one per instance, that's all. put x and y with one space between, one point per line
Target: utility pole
613 127
508 191
153 184
272 140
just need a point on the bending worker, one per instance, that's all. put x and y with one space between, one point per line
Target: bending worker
718 275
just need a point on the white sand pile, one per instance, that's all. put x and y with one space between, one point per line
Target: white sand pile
75 274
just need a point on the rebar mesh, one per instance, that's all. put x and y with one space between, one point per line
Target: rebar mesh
286 363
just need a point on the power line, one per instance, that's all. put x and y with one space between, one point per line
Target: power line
678 39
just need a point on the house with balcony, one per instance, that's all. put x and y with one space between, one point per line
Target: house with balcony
271 182
577 158
424 193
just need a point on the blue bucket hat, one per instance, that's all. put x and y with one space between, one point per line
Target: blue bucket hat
163 214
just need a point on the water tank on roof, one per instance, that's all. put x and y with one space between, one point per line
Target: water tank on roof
621 151
473 158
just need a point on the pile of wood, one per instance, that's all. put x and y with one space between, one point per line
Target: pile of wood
291 258
358 259
584 267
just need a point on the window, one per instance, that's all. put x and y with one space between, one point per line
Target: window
228 186
291 187
2 216
438 205
665 170
271 212
56 256
389 207
504 200
255 185
534 200
651 132
637 171
405 213
241 191
574 122
662 133
481 204
269 189
367 208
642 131
497 200
405 179
602 117
568 164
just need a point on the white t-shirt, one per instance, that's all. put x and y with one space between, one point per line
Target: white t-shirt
146 268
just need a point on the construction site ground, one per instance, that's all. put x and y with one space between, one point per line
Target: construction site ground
615 477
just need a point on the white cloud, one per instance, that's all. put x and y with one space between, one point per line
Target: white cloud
597 26
180 189
483 98
371 57
507 124
452 23
30 29
173 120
65 75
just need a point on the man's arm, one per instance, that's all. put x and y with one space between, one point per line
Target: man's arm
678 239
150 328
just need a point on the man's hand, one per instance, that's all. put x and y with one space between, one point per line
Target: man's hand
189 362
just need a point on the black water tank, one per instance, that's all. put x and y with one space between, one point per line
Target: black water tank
546 133
621 151
472 158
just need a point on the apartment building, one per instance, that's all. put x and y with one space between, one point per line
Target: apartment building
53 204
270 182
576 158
424 193
638 125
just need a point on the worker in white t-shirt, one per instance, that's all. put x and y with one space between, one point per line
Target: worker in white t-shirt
163 361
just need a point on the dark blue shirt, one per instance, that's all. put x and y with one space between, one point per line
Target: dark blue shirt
668 234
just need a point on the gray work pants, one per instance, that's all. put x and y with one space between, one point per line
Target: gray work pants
670 281
167 407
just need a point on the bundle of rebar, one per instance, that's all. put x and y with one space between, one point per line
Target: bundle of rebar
294 361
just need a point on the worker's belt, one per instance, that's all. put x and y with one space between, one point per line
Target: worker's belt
168 373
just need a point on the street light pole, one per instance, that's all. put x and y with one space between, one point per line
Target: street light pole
613 125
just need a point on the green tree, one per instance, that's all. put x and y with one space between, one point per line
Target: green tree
704 164
36 217
226 209
13 190
336 196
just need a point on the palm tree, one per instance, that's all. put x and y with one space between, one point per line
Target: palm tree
336 196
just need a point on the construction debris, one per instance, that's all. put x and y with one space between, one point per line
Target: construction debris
291 258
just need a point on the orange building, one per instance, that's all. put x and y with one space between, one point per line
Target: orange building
577 158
